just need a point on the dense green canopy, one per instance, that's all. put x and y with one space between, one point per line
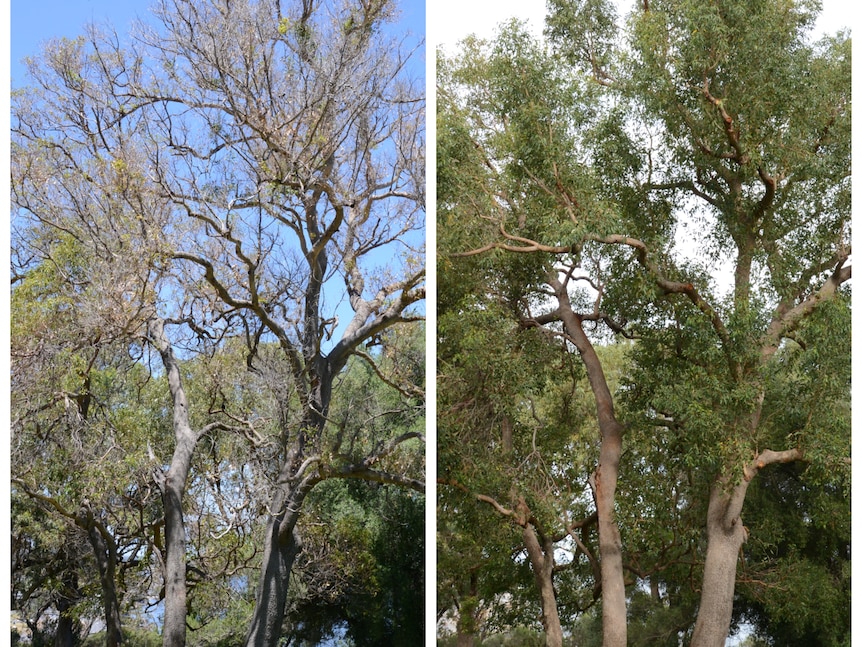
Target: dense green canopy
676 185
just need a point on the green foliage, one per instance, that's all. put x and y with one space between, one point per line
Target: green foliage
785 556
360 575
134 636
718 122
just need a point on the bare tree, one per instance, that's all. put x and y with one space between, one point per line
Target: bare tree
268 160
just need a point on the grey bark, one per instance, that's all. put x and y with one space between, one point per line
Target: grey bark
278 557
105 551
295 481
172 486
281 547
541 553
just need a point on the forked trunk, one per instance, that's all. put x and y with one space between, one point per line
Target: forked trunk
725 537
282 544
279 553
541 555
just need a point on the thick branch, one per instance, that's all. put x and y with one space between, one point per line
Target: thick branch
787 321
293 355
676 287
749 471
367 474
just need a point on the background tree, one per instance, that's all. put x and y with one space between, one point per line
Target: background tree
80 423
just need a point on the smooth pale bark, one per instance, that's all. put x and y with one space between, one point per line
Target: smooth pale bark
614 622
540 551
725 537
172 486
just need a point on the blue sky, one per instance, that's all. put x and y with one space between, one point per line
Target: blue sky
35 22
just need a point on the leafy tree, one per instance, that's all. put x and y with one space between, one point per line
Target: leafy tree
80 424
360 578
701 117
783 557
505 116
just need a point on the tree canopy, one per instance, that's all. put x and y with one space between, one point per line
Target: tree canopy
667 197
218 285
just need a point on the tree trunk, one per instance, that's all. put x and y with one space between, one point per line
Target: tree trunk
174 628
465 638
282 542
614 624
508 439
281 547
725 536
466 627
173 486
106 561
614 627
279 554
65 635
542 560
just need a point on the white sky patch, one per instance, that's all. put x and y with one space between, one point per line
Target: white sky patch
449 21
